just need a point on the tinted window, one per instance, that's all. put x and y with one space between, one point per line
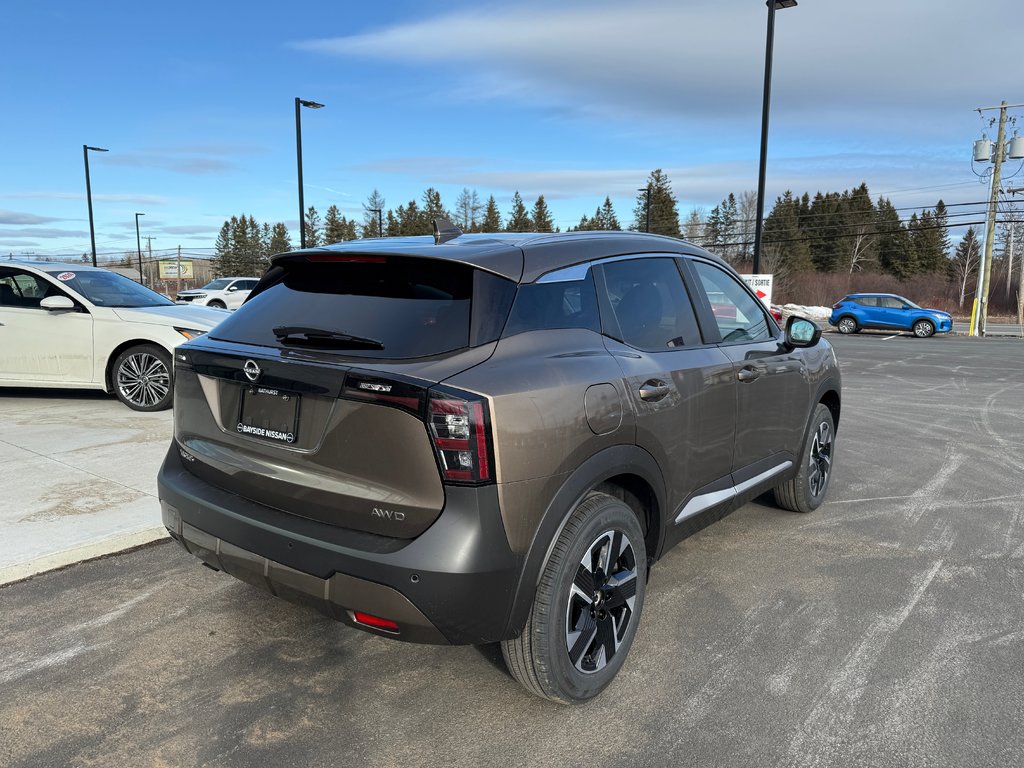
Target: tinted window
572 304
23 289
740 317
217 285
413 307
890 302
867 301
650 303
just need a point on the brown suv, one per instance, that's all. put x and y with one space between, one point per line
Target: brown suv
479 438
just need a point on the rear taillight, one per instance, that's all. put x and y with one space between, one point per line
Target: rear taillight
458 427
837 305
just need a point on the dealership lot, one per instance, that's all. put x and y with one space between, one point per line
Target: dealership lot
883 629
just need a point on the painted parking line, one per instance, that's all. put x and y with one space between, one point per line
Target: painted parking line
890 337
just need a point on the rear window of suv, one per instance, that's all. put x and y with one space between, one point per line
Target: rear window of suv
412 307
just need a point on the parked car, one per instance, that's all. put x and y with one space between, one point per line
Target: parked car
222 293
887 311
479 438
78 327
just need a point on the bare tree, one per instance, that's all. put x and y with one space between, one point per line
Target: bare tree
964 263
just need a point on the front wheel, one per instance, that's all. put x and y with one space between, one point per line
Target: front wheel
924 328
217 304
142 378
847 325
806 491
588 603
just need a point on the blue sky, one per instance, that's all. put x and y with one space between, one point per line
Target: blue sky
571 100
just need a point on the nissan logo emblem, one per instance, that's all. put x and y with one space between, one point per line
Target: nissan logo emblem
252 371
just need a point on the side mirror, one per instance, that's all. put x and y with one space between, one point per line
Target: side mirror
232 289
55 303
905 306
801 332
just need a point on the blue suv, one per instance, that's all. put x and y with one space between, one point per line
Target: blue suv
887 311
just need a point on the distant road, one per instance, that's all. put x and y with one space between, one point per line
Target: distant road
1002 329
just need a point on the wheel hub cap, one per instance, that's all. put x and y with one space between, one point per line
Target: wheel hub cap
820 459
143 379
601 600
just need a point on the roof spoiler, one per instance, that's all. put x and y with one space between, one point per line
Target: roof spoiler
444 231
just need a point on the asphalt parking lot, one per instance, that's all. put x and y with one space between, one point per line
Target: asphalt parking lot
887 628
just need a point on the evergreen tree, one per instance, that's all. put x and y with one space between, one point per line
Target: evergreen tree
433 208
664 214
220 263
894 251
312 225
280 242
606 216
518 218
541 216
492 218
942 224
392 224
824 231
784 236
334 226
371 223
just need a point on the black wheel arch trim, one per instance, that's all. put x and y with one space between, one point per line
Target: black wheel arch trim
602 466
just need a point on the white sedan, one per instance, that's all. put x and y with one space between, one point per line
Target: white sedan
79 327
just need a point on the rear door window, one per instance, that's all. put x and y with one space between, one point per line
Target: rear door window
390 308
649 303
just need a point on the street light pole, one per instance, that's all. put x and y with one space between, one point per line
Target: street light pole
138 245
773 5
299 103
380 220
88 196
647 206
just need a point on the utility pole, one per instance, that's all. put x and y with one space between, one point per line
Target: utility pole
993 204
149 258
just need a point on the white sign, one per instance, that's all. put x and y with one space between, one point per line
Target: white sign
761 285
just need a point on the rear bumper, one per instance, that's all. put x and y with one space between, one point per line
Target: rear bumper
453 584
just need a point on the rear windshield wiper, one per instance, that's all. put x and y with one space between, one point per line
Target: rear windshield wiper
320 337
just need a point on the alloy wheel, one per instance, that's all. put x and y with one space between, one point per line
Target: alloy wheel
923 329
143 379
601 601
820 459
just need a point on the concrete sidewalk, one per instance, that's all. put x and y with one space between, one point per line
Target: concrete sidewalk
77 478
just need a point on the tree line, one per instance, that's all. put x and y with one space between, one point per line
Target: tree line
838 231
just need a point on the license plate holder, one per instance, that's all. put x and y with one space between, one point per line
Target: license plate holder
268 414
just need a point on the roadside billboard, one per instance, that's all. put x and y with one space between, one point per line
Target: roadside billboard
169 270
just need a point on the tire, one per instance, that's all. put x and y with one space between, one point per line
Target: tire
806 491
923 328
141 378
216 304
847 324
573 644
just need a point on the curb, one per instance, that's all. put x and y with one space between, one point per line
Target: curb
91 551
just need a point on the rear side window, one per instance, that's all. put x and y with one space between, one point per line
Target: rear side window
650 304
570 304
409 307
866 301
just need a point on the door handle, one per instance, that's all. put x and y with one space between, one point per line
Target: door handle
653 390
748 374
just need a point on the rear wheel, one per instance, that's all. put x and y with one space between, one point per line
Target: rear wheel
924 328
588 603
806 491
847 325
142 378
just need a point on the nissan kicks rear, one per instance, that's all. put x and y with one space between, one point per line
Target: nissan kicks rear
491 438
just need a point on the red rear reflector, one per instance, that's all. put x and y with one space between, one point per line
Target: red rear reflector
375 621
351 259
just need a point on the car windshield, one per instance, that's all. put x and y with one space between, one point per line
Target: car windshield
217 285
109 289
909 303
